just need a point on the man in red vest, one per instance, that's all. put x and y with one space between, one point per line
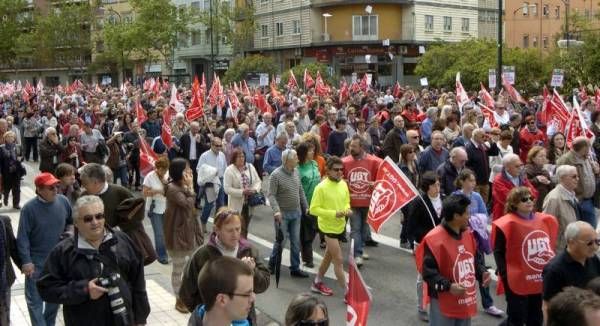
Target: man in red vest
449 265
360 171
524 243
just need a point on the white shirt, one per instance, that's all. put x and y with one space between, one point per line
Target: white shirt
153 182
193 154
269 139
215 160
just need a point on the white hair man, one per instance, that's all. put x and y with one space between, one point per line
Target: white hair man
511 176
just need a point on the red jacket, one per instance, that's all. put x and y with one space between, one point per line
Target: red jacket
500 189
325 131
528 139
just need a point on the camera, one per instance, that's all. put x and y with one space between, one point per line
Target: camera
117 304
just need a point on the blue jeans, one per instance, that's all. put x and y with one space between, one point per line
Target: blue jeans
159 239
290 225
41 313
121 173
208 206
486 298
359 229
588 212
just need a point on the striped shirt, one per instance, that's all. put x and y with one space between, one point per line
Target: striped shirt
285 191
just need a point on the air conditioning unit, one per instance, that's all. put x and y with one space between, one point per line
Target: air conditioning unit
326 37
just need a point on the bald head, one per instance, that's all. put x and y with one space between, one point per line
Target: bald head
458 157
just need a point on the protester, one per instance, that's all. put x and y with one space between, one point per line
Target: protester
510 177
394 139
435 154
85 286
306 309
8 245
181 228
68 186
44 220
227 289
574 306
11 169
225 240
450 169
210 170
50 149
538 175
117 158
557 146
309 178
516 232
155 183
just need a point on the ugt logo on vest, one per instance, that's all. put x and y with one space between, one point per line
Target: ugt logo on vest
358 180
382 200
536 250
464 270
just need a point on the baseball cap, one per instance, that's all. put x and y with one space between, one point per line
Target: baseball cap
45 179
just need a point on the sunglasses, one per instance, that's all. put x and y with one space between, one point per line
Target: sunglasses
591 242
322 322
90 218
526 199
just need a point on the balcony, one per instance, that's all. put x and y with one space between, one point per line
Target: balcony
329 3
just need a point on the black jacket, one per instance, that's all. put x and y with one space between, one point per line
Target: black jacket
419 221
479 162
10 249
70 267
185 143
447 174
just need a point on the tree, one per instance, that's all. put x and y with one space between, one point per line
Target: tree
14 23
252 64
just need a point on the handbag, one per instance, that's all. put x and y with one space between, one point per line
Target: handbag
257 198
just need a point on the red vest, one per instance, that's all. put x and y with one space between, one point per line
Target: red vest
359 175
456 262
529 247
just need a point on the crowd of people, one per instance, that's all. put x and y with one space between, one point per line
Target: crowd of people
518 187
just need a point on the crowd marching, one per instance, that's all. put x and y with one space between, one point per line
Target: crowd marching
497 176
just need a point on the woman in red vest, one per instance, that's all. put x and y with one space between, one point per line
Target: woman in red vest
447 258
524 243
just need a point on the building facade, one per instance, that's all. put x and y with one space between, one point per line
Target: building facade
384 38
539 24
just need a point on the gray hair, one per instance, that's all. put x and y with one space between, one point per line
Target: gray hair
563 170
432 112
93 171
478 131
509 158
574 228
457 150
467 126
281 135
85 201
49 130
287 154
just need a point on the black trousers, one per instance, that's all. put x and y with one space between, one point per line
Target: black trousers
31 143
11 183
308 232
523 310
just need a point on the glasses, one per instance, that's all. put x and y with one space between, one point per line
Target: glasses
338 169
526 199
322 322
591 242
217 146
90 218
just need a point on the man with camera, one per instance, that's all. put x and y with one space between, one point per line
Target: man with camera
97 275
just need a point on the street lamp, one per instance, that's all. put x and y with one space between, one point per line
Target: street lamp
325 34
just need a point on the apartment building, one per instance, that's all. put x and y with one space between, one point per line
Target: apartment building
539 24
384 38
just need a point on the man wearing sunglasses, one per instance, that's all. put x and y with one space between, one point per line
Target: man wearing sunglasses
575 266
74 269
43 222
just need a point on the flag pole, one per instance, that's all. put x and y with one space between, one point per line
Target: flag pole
428 211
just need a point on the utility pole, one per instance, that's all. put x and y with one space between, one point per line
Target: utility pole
499 65
567 21
212 44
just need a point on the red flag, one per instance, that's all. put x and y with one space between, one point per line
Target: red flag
245 90
275 94
512 92
261 103
165 133
358 296
147 157
543 114
344 92
354 88
364 83
140 113
156 86
165 85
486 97
196 109
397 90
576 125
98 90
236 89
320 87
557 113
234 105
174 103
308 80
462 97
292 80
488 115
392 191
196 84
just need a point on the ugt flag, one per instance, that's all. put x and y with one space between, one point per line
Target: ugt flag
392 191
358 296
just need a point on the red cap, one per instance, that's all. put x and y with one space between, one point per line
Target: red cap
45 179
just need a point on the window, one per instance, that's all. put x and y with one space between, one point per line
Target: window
296 27
465 25
546 10
534 9
182 40
545 42
534 42
557 12
525 8
428 22
206 5
525 41
264 30
207 36
447 24
279 29
195 6
196 37
364 27
295 62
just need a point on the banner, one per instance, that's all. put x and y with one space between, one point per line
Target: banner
391 192
558 76
492 78
358 296
508 74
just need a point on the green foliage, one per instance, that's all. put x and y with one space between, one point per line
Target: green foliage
251 64
312 68
235 23
473 58
13 33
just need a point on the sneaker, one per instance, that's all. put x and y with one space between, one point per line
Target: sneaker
359 261
493 311
423 316
321 288
365 255
405 245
